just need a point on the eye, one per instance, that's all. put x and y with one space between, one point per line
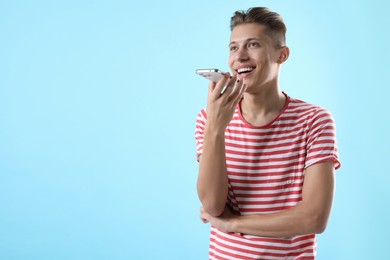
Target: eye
233 48
253 44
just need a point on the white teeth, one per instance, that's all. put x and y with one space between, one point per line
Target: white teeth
244 70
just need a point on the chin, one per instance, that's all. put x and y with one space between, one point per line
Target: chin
248 83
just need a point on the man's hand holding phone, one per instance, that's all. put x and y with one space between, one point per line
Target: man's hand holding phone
223 98
212 180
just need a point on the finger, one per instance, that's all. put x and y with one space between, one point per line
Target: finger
235 91
212 87
229 87
203 217
240 95
215 92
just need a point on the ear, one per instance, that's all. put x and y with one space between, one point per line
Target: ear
284 54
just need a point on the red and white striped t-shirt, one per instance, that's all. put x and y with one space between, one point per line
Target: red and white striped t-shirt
266 166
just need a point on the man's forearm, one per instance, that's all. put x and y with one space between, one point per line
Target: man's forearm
292 222
212 183
308 217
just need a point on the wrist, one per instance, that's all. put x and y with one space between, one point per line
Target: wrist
214 131
232 224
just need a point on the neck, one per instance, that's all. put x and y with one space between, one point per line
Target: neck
263 106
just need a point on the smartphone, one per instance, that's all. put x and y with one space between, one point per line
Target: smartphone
210 74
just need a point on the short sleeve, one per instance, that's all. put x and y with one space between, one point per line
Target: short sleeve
321 142
199 131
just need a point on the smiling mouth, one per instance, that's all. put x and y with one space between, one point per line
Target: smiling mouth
245 70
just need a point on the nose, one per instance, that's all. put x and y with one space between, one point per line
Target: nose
241 54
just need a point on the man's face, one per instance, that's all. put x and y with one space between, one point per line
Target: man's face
253 55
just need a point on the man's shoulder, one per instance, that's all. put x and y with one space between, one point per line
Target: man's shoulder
309 113
303 107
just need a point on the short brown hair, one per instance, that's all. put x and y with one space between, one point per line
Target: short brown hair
273 22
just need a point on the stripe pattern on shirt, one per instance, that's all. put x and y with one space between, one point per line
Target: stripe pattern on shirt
266 167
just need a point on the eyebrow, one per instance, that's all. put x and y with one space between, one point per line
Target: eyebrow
246 40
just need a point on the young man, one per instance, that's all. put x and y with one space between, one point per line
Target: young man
266 160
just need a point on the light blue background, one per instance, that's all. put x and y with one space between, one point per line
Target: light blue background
98 101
